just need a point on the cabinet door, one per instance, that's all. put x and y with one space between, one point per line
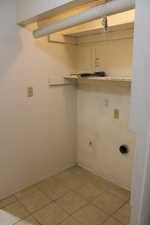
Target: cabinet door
114 57
85 60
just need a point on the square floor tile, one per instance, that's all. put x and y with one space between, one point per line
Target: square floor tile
12 214
26 192
71 180
50 215
114 189
64 175
71 202
70 221
77 170
76 182
112 222
92 178
83 174
123 215
33 200
90 215
89 191
108 202
103 185
54 188
120 192
28 221
45 189
7 201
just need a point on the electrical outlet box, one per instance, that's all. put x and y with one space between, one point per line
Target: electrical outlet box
30 91
116 114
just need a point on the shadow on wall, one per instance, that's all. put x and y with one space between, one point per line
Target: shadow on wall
56 52
119 88
10 41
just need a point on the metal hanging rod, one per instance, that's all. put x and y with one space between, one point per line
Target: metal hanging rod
107 9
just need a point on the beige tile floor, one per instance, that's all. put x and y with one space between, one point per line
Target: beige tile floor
73 197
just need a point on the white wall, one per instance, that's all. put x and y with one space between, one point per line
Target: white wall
140 115
37 135
96 103
31 144
30 10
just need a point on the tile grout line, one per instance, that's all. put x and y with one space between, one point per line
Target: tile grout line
111 216
30 213
24 208
85 197
51 201
9 203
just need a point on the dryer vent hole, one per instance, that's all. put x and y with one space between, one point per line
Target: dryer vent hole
124 149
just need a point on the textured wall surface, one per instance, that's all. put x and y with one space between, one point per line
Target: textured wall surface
37 135
96 103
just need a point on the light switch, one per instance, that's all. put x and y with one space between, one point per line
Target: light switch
30 91
106 102
116 114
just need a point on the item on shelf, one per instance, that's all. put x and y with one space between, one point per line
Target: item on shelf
100 78
96 74
100 74
86 74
